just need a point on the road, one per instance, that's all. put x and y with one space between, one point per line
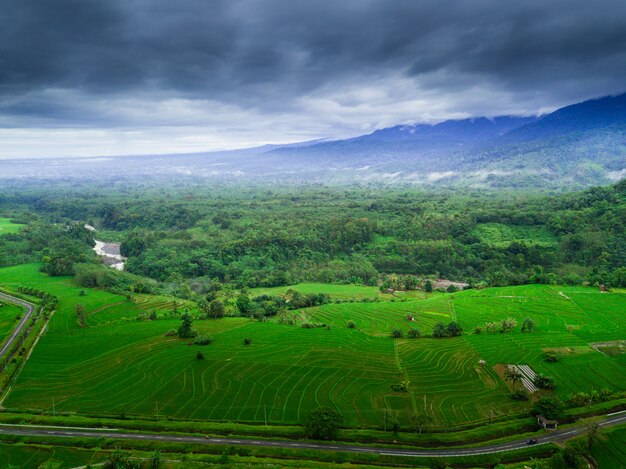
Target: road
69 432
30 309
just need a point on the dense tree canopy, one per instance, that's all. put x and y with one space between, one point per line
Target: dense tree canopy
262 237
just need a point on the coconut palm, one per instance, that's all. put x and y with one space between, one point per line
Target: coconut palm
513 375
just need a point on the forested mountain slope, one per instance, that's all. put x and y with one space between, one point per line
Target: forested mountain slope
572 148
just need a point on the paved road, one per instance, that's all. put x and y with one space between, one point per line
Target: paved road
69 432
30 309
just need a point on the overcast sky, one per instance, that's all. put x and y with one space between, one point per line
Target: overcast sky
104 77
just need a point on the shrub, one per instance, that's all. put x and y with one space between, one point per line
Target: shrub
311 325
398 387
216 309
520 395
478 330
579 399
185 330
528 325
203 340
288 319
121 458
200 355
453 329
323 424
508 324
351 324
549 407
396 334
247 341
551 357
414 334
544 382
439 331
171 332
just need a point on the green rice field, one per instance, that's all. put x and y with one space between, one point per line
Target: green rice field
121 365
7 227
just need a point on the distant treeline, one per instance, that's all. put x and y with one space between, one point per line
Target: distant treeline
263 237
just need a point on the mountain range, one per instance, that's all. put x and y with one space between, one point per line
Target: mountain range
573 147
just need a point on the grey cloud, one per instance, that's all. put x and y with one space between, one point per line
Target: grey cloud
267 55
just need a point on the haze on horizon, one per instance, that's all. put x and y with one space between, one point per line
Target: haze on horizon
85 77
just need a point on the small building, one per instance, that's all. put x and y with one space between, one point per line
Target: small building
602 287
482 362
546 423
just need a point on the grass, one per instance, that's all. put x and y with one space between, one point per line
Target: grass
121 366
502 235
7 227
335 291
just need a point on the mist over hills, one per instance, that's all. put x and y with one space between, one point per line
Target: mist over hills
573 147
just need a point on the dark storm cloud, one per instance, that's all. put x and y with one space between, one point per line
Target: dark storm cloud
67 60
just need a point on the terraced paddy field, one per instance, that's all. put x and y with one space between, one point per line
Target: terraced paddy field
121 365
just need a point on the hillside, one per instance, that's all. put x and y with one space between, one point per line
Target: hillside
571 148
575 146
